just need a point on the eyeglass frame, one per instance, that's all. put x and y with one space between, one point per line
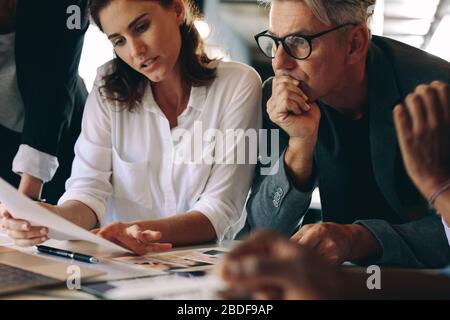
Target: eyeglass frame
308 38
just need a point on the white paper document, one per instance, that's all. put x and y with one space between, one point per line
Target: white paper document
24 208
173 287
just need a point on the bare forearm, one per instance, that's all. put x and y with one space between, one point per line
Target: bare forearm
298 159
78 213
185 229
30 186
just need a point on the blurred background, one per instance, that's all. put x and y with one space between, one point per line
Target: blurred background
228 28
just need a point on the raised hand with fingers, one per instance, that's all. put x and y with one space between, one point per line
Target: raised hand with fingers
423 129
290 109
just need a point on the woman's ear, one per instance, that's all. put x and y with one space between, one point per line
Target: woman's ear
180 11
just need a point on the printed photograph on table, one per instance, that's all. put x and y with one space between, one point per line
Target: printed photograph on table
178 261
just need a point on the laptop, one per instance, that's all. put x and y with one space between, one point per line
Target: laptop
21 271
14 279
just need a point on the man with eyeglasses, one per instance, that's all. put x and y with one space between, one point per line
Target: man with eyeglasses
332 97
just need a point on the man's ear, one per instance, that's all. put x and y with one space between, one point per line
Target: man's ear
180 11
357 43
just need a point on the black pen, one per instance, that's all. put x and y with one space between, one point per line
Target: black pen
67 254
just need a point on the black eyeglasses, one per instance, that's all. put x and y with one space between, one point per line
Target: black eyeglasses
296 45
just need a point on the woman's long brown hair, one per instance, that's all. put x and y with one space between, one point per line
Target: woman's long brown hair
127 86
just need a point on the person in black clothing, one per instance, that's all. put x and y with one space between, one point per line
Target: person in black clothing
42 97
331 99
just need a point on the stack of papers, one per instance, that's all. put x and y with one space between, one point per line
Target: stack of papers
22 207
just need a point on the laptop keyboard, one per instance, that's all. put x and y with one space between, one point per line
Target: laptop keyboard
14 279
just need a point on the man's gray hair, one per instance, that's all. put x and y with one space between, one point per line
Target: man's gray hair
337 12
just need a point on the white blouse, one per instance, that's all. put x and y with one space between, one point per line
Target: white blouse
124 168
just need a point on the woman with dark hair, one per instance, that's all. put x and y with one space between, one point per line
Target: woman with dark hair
139 171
